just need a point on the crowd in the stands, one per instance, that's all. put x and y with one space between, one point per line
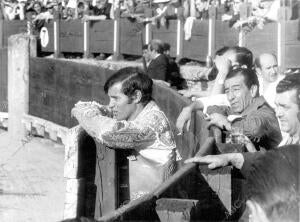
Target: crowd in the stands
155 11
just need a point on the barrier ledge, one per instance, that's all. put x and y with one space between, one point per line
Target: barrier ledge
3 119
41 126
108 64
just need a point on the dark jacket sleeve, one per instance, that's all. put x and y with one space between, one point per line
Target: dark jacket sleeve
158 68
249 159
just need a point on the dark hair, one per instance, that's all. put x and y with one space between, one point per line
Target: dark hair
167 46
250 77
243 56
273 183
132 79
157 45
145 46
37 3
257 61
288 83
80 4
222 51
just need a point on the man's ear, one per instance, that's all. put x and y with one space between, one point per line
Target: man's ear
137 96
254 90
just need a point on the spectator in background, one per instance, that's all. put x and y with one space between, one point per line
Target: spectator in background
127 8
145 57
268 76
81 10
14 10
173 73
163 12
45 16
252 114
228 58
158 66
101 11
202 9
235 16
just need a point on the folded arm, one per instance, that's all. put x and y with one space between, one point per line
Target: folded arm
113 133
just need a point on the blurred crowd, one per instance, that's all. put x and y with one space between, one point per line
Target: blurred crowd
155 11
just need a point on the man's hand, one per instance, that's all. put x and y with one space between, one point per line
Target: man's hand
85 18
184 118
223 65
186 93
221 160
218 120
213 161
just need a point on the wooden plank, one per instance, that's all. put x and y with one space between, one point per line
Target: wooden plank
259 41
1 33
200 27
228 36
106 199
196 48
292 56
71 36
131 37
291 31
11 28
101 35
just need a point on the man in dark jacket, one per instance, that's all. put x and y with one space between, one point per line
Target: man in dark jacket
158 66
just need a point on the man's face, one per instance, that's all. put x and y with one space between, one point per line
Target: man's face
238 94
286 111
146 54
37 8
269 68
151 53
100 3
122 106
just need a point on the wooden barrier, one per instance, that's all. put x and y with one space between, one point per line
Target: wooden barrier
3 80
98 37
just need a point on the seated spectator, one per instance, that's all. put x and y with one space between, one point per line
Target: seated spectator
268 76
145 57
45 16
287 111
202 9
252 114
127 8
158 66
163 12
14 10
132 121
36 9
235 16
226 58
173 74
81 10
101 11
